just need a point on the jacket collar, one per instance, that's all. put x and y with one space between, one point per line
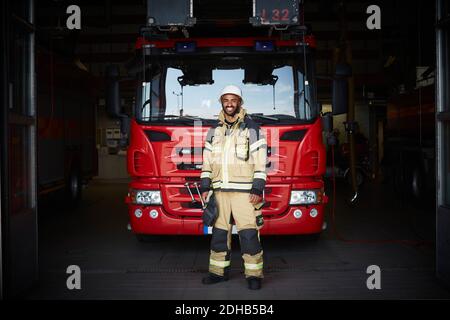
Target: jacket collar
240 119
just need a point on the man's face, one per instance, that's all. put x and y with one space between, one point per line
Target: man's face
230 104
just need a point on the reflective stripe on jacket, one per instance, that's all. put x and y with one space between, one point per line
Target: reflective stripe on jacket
234 158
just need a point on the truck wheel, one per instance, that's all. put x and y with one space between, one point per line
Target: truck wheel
418 183
359 177
73 187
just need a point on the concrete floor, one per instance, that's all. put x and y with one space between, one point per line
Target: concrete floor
114 265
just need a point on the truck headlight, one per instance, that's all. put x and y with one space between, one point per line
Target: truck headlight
147 197
303 197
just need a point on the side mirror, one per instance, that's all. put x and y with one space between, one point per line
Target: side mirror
340 96
319 107
125 130
125 125
113 91
113 102
327 126
327 122
340 88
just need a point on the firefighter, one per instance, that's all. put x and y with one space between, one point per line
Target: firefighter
234 166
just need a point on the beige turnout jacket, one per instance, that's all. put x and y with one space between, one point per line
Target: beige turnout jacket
234 157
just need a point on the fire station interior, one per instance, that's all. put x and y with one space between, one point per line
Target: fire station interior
65 178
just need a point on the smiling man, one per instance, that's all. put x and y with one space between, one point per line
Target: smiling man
234 166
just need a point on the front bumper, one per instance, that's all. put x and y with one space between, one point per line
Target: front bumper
164 223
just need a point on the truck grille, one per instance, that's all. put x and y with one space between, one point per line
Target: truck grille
178 201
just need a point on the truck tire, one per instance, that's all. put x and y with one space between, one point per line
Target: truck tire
418 186
409 179
359 177
74 187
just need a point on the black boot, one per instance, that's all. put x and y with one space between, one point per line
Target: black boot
254 283
212 278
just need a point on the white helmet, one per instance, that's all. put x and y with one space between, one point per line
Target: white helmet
232 89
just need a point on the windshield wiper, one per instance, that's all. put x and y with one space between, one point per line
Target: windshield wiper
261 116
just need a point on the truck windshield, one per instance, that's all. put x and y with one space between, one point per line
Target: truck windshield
281 95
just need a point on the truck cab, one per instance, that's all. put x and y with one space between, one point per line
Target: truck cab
182 63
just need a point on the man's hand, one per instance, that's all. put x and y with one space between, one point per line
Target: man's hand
255 199
205 195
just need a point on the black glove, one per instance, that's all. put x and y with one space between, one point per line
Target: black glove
211 212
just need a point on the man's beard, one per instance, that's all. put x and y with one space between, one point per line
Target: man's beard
236 111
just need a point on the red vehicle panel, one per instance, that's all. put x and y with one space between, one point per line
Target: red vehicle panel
179 71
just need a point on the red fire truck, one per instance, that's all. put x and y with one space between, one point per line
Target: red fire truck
67 154
409 158
187 53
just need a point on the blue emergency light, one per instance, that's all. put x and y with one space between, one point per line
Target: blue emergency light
185 47
264 46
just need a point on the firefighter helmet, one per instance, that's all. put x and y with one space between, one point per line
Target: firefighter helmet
232 89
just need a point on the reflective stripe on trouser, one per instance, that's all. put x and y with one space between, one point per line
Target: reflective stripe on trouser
236 204
219 263
252 252
253 264
219 257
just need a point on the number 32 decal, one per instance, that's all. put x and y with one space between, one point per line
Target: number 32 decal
277 15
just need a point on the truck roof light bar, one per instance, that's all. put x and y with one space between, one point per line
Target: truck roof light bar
223 42
185 47
264 46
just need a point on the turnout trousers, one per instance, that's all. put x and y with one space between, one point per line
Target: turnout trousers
248 220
